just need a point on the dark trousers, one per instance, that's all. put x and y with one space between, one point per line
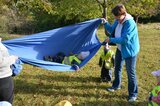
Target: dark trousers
6 89
106 73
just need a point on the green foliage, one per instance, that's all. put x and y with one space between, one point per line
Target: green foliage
38 87
31 16
45 15
31 11
72 11
106 7
142 8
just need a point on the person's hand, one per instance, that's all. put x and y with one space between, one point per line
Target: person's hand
103 20
15 57
107 40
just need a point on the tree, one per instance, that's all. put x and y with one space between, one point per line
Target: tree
142 8
103 7
73 11
40 15
22 14
55 13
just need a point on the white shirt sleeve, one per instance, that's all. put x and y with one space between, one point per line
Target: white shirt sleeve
5 61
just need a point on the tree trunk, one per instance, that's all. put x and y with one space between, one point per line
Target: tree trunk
137 19
104 14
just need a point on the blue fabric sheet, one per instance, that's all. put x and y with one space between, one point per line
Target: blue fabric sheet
74 38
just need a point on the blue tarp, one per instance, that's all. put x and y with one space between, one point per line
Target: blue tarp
74 38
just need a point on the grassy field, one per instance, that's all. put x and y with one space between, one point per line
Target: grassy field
39 87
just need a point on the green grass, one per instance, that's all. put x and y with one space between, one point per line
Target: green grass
39 87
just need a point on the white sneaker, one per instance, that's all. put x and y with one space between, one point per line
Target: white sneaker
132 99
111 89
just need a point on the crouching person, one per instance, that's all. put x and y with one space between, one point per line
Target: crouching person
106 61
6 81
75 60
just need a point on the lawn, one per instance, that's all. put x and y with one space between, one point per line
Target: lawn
39 87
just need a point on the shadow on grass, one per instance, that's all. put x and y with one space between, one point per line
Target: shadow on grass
62 77
75 86
56 85
119 103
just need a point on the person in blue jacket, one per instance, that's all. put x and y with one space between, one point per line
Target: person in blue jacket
123 32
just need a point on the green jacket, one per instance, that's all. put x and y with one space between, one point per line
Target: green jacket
70 60
107 57
154 93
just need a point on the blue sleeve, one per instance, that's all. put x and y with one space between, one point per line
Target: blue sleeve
128 31
110 28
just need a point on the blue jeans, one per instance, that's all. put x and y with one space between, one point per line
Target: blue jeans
131 73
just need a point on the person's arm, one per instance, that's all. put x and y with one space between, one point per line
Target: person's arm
74 62
110 28
4 61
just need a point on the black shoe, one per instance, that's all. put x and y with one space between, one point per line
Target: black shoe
76 67
104 80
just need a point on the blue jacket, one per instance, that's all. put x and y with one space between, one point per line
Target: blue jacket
129 39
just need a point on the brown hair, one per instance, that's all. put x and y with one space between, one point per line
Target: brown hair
119 10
